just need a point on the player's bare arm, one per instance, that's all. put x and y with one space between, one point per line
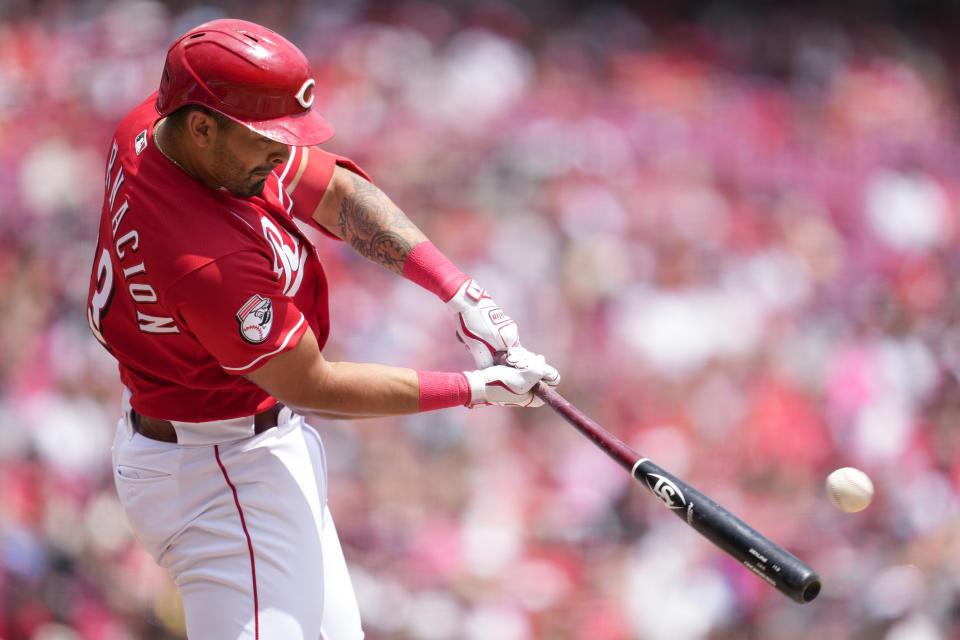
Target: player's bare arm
361 214
303 379
357 211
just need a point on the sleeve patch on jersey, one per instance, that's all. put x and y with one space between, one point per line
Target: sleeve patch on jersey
256 318
140 142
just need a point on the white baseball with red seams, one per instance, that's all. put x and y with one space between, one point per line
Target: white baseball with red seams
849 489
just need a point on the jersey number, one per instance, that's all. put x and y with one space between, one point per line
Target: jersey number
102 296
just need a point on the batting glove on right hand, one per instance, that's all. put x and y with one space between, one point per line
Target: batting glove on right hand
511 384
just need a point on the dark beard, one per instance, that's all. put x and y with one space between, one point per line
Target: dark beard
253 190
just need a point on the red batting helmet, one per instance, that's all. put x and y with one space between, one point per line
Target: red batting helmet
248 73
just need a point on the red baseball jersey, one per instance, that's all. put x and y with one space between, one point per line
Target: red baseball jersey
193 287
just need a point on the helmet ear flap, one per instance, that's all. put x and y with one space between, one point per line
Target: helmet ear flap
248 73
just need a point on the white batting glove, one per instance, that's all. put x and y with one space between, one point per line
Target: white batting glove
482 325
511 384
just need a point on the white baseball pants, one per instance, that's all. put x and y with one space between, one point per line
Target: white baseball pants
244 531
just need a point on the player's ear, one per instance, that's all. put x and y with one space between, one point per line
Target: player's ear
200 128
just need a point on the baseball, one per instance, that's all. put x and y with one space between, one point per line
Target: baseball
849 489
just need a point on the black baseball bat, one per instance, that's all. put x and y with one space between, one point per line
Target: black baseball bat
772 563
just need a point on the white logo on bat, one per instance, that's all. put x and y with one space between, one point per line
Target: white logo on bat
666 490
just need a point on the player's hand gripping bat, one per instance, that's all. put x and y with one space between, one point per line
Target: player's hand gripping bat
771 562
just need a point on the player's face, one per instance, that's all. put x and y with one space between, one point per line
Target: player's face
243 159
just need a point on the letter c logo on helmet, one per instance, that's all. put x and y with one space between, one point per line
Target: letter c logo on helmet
302 98
248 73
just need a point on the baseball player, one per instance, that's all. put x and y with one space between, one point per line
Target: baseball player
215 306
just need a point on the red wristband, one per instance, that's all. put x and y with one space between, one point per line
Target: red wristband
430 269
442 389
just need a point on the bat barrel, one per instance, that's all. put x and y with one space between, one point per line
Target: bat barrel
769 561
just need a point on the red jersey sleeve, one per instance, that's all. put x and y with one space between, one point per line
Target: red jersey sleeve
305 177
237 310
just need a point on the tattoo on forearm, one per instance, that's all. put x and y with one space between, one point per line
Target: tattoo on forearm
375 227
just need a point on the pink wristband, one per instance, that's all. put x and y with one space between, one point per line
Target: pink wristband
442 389
430 269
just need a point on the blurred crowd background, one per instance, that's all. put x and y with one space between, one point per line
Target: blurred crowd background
732 226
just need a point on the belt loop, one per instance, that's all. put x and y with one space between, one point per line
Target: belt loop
127 411
128 423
